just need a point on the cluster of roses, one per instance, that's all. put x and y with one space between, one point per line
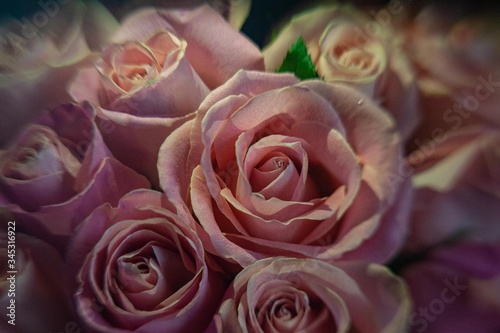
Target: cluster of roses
163 178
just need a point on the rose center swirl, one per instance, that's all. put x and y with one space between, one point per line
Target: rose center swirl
277 166
144 278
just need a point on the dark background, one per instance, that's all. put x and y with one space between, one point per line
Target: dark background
266 14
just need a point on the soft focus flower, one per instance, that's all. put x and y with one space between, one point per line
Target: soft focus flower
39 55
275 166
343 49
452 50
32 292
138 267
58 170
457 183
306 295
456 289
457 62
154 76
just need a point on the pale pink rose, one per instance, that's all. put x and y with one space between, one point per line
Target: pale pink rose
154 76
35 291
456 289
345 49
59 170
457 189
40 54
452 49
456 58
306 295
139 267
275 166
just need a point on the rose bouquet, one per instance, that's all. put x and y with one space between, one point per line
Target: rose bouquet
160 171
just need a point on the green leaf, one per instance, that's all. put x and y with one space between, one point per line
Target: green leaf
298 62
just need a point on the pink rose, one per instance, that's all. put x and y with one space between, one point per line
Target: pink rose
59 170
457 61
452 50
138 267
41 53
457 192
275 166
156 74
456 289
34 293
344 50
307 295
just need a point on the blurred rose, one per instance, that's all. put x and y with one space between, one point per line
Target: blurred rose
457 189
155 76
280 167
40 54
457 58
59 170
36 291
456 289
305 295
452 49
138 267
345 49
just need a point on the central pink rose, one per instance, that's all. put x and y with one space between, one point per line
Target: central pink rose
274 166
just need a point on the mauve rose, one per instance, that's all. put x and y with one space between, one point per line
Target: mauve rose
59 170
154 76
40 54
343 49
139 267
457 59
457 189
305 295
275 166
36 290
456 289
